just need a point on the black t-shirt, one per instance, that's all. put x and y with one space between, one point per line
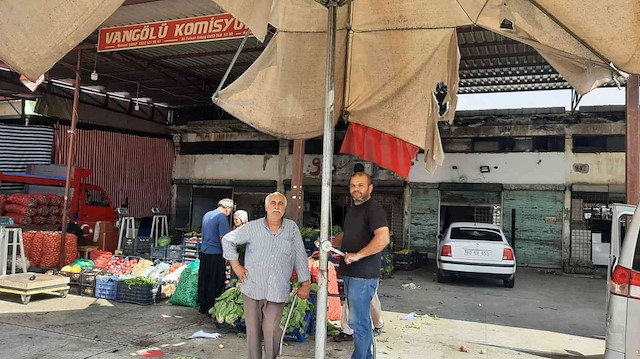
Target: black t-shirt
359 224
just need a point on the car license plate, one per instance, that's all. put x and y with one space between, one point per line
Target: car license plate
476 253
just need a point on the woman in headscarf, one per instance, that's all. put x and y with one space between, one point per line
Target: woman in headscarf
240 218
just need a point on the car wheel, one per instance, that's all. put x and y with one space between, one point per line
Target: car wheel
509 283
442 278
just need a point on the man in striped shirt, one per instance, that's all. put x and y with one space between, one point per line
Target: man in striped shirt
274 250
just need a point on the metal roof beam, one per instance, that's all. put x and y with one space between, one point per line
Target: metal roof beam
500 57
205 54
506 41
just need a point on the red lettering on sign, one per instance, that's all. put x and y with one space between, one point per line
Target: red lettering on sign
181 31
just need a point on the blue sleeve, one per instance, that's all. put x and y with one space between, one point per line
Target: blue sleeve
223 226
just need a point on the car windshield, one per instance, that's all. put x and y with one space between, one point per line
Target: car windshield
476 234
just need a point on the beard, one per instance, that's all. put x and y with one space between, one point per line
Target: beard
359 196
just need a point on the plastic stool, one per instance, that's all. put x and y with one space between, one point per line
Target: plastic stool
11 237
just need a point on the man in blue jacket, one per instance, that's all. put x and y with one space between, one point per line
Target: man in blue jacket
211 276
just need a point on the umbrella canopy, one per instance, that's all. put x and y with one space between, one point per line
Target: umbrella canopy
391 55
37 34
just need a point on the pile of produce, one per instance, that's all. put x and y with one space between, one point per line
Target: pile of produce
43 248
138 281
26 209
120 266
228 308
299 312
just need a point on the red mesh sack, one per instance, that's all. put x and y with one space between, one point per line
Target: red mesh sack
55 200
24 200
42 210
36 249
100 258
52 219
20 209
20 218
50 250
70 248
27 243
3 202
40 220
43 199
54 210
335 311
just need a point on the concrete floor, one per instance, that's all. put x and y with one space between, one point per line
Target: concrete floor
544 316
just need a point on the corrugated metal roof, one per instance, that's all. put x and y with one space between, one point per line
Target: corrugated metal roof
160 10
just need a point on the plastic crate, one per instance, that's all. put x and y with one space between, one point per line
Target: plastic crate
158 252
74 278
87 291
74 289
405 266
405 257
138 294
107 287
88 278
174 252
299 335
136 246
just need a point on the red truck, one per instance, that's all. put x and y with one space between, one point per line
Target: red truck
89 203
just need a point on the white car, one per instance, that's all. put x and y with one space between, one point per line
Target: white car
476 250
623 300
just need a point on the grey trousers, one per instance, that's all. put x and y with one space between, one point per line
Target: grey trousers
262 319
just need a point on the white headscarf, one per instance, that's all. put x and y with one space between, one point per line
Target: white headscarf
243 216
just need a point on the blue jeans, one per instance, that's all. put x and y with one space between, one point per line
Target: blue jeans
359 292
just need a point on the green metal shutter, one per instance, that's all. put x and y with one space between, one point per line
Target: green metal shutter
539 216
424 219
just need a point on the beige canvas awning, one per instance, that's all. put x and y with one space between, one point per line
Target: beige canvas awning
37 34
392 54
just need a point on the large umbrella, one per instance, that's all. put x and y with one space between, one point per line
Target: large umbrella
391 55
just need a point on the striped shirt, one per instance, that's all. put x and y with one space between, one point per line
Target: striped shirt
269 259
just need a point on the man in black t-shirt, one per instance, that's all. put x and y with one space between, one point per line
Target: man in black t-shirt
366 234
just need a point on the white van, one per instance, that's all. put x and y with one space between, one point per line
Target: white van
623 299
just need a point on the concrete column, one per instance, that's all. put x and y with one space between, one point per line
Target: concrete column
566 225
283 158
406 216
566 217
297 181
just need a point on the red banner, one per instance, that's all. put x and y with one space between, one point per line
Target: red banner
374 146
171 32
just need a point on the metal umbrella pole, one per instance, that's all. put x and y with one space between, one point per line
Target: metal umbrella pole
70 157
327 164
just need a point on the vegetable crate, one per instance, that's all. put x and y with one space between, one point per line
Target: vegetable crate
299 335
74 278
74 289
140 246
107 287
404 260
88 278
158 252
144 294
190 248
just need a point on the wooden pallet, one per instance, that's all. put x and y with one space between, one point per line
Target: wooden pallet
28 284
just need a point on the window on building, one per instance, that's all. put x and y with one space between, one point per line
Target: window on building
504 144
606 143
